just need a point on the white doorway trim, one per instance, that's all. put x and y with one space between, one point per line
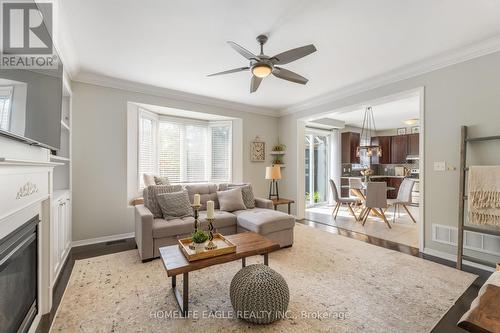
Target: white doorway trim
301 124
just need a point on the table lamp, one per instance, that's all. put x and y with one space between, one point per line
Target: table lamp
273 173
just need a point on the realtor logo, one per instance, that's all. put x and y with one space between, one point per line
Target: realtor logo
26 35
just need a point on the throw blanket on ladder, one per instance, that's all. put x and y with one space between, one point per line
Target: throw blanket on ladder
484 195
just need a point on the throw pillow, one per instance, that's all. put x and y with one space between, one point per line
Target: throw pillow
149 180
161 180
151 193
231 200
246 193
175 205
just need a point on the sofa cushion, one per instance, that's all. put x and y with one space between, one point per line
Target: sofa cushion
175 205
222 219
206 191
231 200
264 221
149 180
246 193
161 180
151 200
163 228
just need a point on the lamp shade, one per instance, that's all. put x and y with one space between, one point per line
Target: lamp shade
273 172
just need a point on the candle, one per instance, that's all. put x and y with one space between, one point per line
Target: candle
196 199
210 209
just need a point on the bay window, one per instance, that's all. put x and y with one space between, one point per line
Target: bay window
184 150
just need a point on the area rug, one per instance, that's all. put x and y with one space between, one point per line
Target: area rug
337 284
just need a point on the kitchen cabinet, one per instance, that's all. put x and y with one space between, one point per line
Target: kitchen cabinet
344 192
349 144
413 144
385 144
396 183
399 149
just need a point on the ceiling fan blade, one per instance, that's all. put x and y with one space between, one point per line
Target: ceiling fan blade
241 69
241 50
254 85
285 74
293 54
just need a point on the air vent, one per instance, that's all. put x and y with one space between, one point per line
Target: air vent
472 240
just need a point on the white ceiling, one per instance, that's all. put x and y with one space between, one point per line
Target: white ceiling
174 44
387 115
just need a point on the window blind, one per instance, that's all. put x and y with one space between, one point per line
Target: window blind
187 151
170 157
196 154
146 148
5 101
221 142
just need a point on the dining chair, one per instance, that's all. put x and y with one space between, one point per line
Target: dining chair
404 198
356 189
341 201
376 198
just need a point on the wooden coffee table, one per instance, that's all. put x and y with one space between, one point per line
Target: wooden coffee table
247 244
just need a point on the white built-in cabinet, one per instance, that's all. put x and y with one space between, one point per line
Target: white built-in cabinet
60 222
60 231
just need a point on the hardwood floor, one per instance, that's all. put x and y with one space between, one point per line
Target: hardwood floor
77 253
446 325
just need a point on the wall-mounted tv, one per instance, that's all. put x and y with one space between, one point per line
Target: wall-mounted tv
30 105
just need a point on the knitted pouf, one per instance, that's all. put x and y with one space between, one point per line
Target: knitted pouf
259 294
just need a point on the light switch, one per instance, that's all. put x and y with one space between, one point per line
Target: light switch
440 166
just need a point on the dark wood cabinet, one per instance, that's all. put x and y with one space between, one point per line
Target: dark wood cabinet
344 192
396 183
385 144
399 149
413 144
350 144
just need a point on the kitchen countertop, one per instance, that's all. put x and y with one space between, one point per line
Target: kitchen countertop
377 176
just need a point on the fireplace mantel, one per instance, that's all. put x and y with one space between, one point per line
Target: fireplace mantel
25 192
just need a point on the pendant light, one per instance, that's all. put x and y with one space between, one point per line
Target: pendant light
368 130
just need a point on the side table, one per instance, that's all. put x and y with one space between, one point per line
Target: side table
282 201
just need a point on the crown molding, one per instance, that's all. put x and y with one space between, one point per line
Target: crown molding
445 59
111 82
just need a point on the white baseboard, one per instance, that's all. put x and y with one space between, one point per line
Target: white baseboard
102 239
453 258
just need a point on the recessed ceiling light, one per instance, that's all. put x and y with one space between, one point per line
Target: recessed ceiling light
411 122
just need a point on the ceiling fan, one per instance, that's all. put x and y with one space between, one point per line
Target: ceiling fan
262 65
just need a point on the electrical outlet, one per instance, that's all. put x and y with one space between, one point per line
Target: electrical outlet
440 166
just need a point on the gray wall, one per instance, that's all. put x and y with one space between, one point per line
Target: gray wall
462 94
100 155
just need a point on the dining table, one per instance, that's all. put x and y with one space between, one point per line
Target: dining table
360 194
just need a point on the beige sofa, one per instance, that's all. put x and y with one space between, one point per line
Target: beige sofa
152 233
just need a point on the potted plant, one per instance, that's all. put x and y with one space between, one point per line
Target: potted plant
199 238
279 146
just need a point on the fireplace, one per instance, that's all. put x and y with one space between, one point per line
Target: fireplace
19 278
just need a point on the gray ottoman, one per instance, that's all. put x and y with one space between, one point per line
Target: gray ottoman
259 294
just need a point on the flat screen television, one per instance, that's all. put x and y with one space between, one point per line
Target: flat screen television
31 105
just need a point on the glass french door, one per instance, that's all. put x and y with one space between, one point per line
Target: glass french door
317 147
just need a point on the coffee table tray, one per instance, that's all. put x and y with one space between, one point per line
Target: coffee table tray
224 246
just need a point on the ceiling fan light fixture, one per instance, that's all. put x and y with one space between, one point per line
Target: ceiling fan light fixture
261 70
